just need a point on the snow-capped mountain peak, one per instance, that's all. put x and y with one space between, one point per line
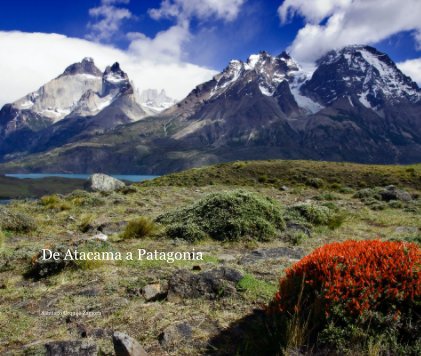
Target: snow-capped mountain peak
57 98
266 70
81 90
364 72
155 100
115 80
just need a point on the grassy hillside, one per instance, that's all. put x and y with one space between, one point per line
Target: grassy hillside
14 188
254 218
281 172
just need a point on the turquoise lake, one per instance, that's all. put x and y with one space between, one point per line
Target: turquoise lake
126 177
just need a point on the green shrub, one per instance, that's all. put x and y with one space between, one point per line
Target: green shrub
326 196
396 204
190 232
262 179
315 182
345 190
139 228
296 237
231 215
15 221
92 246
55 202
313 214
86 222
2 238
83 198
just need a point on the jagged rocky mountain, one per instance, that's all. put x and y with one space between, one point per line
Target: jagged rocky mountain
155 100
355 106
79 103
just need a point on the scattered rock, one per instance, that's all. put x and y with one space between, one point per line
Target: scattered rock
99 182
100 236
226 258
211 284
100 333
152 292
272 253
71 348
406 230
109 228
175 334
293 226
88 292
104 226
196 268
392 193
124 345
284 188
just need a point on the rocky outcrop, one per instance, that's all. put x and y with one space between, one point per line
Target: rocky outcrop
71 348
103 183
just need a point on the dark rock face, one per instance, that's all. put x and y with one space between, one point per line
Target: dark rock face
71 348
124 345
211 284
114 78
360 71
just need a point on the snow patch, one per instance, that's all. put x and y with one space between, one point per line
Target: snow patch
252 61
264 90
114 78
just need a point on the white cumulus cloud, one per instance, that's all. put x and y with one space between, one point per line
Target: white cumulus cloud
107 19
169 45
203 9
29 60
337 23
412 68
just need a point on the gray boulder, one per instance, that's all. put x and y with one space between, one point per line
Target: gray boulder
213 284
152 292
124 345
272 254
99 182
392 193
175 334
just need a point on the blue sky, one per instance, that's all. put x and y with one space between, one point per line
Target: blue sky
196 38
257 27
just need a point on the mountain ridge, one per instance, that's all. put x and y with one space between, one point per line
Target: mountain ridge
356 106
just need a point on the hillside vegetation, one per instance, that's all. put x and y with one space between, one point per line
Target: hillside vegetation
255 222
310 173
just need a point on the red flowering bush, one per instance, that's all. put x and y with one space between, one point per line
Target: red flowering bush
370 283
